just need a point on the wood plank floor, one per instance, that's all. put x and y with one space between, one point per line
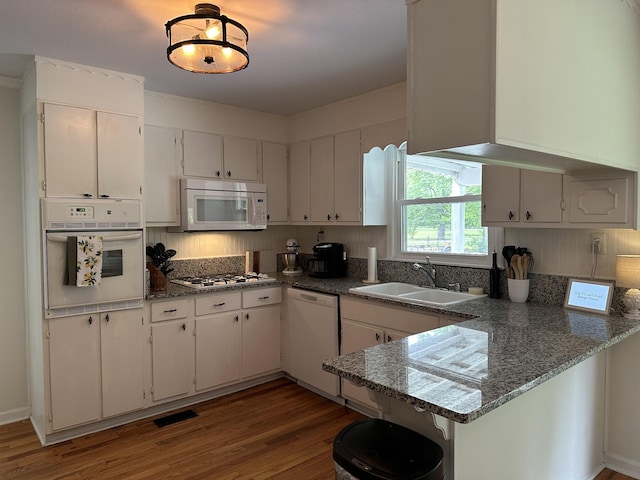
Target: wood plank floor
274 431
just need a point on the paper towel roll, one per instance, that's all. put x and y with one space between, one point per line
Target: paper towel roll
248 262
372 275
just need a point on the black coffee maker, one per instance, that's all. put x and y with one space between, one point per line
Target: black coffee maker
329 261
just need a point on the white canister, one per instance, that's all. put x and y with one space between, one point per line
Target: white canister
518 290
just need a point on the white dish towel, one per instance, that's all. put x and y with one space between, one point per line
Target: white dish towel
85 260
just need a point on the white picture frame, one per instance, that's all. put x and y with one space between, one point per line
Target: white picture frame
589 295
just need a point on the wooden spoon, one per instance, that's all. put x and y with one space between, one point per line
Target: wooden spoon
516 265
525 266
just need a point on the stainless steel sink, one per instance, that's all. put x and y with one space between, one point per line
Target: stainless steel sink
406 292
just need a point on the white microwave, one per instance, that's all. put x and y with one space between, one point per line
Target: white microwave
209 205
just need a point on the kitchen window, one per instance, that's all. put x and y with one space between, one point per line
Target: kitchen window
437 212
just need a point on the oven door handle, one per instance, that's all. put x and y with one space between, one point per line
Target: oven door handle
55 237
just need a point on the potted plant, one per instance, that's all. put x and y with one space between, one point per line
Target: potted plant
159 266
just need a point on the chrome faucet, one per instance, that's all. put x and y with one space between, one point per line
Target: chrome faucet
430 272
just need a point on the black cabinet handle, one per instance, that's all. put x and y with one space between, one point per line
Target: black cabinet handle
328 217
388 338
247 316
229 173
217 173
528 215
377 337
263 298
87 195
184 326
306 217
237 319
219 304
107 318
90 320
104 196
268 217
171 310
511 215
336 216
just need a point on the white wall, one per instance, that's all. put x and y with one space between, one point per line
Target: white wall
14 400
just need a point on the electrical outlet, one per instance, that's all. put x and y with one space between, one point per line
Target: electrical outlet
599 242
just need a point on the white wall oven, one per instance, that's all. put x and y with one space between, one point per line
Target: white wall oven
111 275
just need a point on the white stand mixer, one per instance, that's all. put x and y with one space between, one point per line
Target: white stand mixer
291 258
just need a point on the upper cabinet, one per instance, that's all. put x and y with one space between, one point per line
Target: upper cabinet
162 170
554 77
214 156
275 176
300 181
91 154
513 197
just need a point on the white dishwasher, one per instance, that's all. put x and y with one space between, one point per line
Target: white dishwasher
313 337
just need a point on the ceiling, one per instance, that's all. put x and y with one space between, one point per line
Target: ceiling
303 53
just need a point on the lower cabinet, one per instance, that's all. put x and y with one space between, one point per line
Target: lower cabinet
366 324
213 340
95 366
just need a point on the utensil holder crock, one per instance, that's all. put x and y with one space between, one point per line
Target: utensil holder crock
518 290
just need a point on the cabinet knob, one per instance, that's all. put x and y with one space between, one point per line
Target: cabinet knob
246 316
528 215
90 320
268 217
217 173
184 326
229 173
329 217
87 195
237 318
388 338
104 196
306 217
377 337
336 216
511 215
107 318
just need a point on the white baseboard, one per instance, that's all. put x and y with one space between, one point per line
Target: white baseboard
622 465
15 415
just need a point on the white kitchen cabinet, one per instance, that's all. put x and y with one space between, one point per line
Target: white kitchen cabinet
300 182
368 323
202 154
214 156
240 158
95 366
74 370
275 174
602 200
260 340
172 358
122 342
162 168
322 187
501 84
347 177
513 196
90 154
218 349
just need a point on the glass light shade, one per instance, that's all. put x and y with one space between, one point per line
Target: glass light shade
207 42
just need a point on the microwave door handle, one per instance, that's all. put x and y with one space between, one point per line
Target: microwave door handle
61 238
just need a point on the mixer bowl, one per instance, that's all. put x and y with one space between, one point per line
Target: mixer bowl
290 261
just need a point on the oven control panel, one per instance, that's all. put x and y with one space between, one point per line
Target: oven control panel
81 212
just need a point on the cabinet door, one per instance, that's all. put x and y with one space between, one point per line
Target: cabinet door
122 357
172 354
500 194
300 181
347 175
69 151
541 196
161 176
240 159
391 335
120 156
275 176
202 154
321 187
354 337
260 340
218 349
602 202
74 370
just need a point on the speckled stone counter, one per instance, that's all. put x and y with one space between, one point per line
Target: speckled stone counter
464 371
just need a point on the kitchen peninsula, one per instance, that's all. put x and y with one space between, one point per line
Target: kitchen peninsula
470 387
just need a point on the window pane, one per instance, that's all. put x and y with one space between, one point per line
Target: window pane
448 228
421 183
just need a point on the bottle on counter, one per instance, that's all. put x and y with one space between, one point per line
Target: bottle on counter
494 278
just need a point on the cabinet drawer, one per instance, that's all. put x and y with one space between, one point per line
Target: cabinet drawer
222 302
262 296
169 310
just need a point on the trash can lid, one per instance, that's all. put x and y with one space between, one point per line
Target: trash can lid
374 449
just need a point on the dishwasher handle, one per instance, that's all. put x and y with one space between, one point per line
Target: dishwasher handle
311 296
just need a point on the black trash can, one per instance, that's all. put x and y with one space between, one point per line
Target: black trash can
374 449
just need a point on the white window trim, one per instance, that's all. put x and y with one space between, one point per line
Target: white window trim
394 230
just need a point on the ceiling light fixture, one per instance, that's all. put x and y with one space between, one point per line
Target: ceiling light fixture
207 42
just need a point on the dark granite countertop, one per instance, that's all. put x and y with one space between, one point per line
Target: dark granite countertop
466 370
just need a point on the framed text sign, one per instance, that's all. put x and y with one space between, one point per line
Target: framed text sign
589 295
